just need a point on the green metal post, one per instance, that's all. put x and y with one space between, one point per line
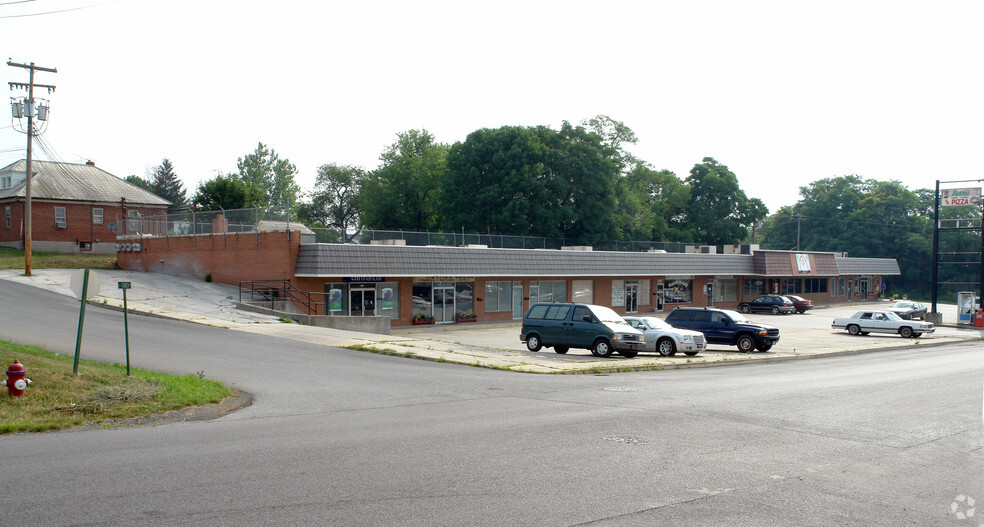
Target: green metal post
126 334
78 338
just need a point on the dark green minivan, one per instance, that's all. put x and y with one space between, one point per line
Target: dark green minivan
563 326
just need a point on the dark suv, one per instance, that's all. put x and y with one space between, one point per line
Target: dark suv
567 325
721 326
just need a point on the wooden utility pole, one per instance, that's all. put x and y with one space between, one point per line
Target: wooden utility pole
29 110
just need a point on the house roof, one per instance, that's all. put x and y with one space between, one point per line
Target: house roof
76 182
341 260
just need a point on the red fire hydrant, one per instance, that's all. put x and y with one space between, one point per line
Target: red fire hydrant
16 380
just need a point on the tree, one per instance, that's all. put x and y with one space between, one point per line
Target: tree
403 192
333 199
227 193
140 182
719 212
660 199
272 176
165 183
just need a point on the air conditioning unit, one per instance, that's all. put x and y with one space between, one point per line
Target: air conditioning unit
61 225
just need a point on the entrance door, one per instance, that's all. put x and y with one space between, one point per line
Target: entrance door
660 296
850 291
631 296
362 302
517 300
443 304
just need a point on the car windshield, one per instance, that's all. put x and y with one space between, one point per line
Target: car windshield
606 315
736 317
902 305
892 316
655 323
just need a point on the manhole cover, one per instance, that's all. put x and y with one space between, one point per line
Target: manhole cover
626 440
619 389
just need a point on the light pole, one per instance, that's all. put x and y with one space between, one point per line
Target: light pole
22 109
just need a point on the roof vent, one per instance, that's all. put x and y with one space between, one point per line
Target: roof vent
388 242
577 248
90 163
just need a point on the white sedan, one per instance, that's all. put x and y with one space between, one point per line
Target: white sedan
666 339
864 322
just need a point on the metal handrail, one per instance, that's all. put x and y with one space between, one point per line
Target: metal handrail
280 290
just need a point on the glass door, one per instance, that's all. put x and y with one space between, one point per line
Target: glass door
517 300
443 304
362 302
631 296
660 296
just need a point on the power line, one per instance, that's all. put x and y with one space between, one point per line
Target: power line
54 12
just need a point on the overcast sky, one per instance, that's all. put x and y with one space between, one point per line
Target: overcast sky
784 93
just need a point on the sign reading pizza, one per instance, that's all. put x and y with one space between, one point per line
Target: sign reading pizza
960 197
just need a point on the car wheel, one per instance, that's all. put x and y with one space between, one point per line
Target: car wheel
854 329
690 353
601 348
628 354
666 347
764 347
905 332
561 349
533 342
744 308
745 344
775 310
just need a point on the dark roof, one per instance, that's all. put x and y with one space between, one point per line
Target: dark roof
882 266
340 260
76 182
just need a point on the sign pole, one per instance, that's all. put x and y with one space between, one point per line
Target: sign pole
126 330
78 338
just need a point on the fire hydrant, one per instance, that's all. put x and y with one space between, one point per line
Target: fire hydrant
16 380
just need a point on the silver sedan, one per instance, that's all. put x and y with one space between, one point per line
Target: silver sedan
666 339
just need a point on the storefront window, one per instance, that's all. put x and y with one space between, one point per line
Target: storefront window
422 299
464 300
790 286
754 287
678 291
618 293
645 292
336 299
388 299
725 290
841 288
550 290
583 291
815 285
498 296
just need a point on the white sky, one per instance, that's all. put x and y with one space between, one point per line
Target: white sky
784 93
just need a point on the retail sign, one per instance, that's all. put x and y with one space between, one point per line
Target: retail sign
363 279
335 300
444 279
960 197
803 263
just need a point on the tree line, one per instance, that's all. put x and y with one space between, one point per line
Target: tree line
580 183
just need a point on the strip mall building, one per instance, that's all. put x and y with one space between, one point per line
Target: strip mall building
447 285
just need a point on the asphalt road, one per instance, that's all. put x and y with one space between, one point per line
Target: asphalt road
340 437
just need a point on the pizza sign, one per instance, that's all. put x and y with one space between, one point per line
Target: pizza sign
960 197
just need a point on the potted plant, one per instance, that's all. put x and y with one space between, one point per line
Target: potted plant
422 319
465 316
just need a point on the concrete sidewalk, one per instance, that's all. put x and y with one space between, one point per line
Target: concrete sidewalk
486 345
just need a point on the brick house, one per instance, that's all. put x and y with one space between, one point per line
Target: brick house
74 207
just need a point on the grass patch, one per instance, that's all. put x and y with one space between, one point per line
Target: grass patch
100 393
14 259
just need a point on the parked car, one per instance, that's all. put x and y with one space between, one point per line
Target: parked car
563 326
666 339
801 304
722 326
909 310
774 304
864 322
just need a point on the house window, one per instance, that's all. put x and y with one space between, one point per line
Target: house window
5 182
97 216
61 220
6 215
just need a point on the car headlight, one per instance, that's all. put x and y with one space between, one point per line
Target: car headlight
688 338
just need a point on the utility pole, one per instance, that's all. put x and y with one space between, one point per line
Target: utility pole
27 107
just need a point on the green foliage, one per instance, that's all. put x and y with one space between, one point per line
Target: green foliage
227 193
333 200
403 193
140 182
272 176
658 202
719 212
165 183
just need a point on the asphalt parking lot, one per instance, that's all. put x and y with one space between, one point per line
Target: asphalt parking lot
487 345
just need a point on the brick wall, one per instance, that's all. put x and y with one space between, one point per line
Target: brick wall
229 258
78 225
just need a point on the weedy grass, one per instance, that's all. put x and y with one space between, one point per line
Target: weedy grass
14 259
100 393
